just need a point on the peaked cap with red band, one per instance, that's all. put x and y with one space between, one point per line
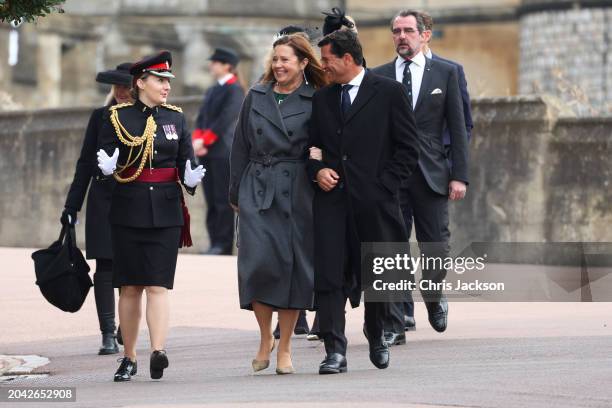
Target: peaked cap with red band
158 65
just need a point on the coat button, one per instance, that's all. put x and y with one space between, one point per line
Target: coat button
290 133
259 131
341 185
339 131
261 212
286 173
151 188
260 192
286 193
155 151
345 157
257 172
286 215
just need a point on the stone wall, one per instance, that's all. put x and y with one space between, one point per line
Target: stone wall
568 53
537 175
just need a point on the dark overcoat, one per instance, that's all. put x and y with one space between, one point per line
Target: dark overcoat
270 186
373 149
218 113
97 227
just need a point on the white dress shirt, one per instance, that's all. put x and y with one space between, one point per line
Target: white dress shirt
417 69
224 79
356 82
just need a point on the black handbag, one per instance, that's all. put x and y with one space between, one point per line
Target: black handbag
62 274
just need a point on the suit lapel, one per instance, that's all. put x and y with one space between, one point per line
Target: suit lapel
388 70
364 94
334 102
425 83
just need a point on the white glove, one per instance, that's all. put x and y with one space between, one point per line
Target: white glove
193 177
107 164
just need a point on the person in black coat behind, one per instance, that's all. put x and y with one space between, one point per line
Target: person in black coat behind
368 138
212 142
97 227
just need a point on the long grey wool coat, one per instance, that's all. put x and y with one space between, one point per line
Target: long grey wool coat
270 186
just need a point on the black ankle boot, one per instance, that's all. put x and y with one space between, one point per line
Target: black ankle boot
301 326
126 370
109 344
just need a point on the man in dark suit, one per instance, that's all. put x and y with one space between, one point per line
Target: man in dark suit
364 127
465 95
212 142
433 87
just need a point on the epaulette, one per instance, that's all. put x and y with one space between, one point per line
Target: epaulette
121 105
172 107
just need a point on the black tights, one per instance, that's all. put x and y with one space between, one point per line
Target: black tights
105 295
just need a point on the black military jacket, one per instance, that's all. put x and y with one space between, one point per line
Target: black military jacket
150 205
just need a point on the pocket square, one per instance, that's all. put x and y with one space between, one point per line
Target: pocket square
436 91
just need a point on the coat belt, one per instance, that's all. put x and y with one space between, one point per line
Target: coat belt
269 161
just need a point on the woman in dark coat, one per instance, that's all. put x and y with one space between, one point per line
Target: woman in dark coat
272 194
97 227
149 221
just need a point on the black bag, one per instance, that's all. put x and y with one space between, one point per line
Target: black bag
62 274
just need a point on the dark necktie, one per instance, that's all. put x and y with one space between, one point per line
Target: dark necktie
345 101
407 79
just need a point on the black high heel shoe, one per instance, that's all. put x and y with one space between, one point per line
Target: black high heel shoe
126 370
159 361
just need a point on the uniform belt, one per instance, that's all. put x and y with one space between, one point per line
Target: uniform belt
166 175
269 160
161 175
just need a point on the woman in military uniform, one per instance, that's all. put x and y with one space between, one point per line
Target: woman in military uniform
273 195
146 146
97 228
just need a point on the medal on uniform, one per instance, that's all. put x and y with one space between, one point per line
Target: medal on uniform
170 132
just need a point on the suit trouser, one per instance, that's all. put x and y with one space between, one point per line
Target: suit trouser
219 216
429 212
331 307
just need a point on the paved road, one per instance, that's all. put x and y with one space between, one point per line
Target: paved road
493 354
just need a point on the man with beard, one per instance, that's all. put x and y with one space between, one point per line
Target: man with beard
433 88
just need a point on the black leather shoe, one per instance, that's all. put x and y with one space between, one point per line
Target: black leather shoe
109 344
119 337
276 332
438 314
126 370
379 354
217 250
409 323
158 362
301 326
394 339
334 363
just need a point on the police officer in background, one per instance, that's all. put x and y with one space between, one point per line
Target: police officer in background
212 142
97 227
146 147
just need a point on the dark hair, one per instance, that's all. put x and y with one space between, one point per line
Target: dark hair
427 20
344 42
418 16
303 50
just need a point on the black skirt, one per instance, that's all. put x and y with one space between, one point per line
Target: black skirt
144 256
